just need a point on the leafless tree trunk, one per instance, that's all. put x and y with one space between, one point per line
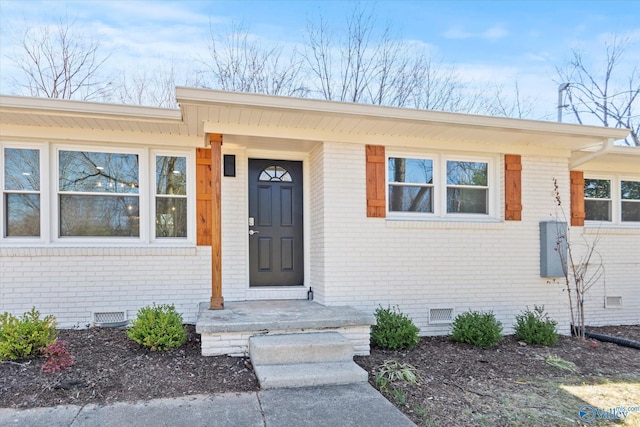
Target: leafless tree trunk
600 95
60 63
582 267
239 63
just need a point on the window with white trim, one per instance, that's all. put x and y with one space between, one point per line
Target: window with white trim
630 200
467 187
96 194
171 196
21 192
410 185
439 186
614 200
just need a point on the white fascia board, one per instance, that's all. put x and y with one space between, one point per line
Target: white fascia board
106 137
296 135
259 101
65 107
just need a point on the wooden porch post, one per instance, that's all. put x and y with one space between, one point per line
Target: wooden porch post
217 301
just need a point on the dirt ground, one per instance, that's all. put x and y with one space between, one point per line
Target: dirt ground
510 384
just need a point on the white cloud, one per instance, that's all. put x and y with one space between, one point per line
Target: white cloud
493 33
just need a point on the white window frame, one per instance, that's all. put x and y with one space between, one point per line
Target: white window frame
143 195
434 187
49 192
44 199
615 199
190 196
440 187
611 199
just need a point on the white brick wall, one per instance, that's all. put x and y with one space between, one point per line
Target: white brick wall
354 260
419 265
72 282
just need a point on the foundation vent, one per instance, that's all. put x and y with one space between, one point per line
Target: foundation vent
612 302
440 315
110 319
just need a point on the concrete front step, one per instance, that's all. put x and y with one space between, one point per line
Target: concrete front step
314 347
309 374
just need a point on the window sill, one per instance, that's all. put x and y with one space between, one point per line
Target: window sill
612 229
55 250
465 223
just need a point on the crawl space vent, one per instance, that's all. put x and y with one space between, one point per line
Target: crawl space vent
612 302
441 315
110 319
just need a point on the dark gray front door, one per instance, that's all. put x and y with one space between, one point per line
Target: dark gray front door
276 251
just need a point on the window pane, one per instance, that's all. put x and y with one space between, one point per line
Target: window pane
85 171
597 210
416 171
23 215
467 200
114 216
630 190
631 211
171 175
467 173
410 199
171 217
21 169
597 188
275 174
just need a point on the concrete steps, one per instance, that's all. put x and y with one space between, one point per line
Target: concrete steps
304 360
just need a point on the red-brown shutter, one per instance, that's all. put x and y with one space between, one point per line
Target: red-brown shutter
512 187
376 204
577 198
203 196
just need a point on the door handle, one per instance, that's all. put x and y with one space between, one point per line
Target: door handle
252 232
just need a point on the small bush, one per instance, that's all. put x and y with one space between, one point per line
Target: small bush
392 371
479 329
158 328
393 330
58 357
535 327
26 336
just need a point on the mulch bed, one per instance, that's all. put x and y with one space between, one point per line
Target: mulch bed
109 368
459 380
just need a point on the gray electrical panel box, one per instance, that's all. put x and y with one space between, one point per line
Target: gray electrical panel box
553 248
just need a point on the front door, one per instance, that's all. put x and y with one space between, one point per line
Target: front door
276 251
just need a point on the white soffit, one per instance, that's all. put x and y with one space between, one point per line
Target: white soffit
617 159
274 116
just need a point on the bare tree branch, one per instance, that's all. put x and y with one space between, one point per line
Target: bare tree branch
239 63
602 95
58 62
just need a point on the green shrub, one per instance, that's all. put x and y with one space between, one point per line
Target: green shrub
393 330
535 327
158 328
25 336
479 329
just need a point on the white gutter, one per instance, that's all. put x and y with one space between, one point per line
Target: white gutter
606 147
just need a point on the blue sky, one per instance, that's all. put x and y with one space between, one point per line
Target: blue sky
489 42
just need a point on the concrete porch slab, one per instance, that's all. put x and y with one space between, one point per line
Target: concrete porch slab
227 331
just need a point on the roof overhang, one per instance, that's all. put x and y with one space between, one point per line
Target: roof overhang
296 124
210 111
56 119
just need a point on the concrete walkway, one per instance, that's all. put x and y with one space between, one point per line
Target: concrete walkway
344 405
